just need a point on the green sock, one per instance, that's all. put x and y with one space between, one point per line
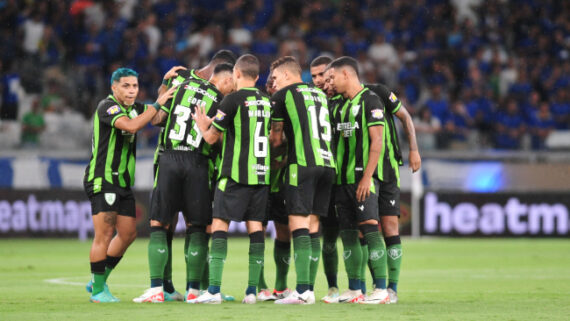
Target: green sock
98 283
330 254
186 245
204 281
168 268
315 257
394 249
377 256
262 284
157 253
282 257
352 254
302 253
110 263
98 276
256 257
218 255
197 255
364 264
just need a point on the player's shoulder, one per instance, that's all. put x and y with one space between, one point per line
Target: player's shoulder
369 96
108 106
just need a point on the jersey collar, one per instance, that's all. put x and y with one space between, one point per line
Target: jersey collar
125 109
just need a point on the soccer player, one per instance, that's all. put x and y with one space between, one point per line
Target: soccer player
276 212
177 75
182 181
243 185
110 175
359 123
389 174
329 224
301 113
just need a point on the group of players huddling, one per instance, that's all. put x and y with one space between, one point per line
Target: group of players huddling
314 158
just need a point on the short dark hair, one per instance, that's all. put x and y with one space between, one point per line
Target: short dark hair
289 62
345 61
321 60
223 67
122 72
222 56
248 65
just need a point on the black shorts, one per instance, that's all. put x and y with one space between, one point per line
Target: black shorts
350 211
111 198
239 202
276 211
331 220
308 189
182 184
389 199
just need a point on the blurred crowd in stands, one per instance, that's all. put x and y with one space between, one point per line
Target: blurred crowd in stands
474 74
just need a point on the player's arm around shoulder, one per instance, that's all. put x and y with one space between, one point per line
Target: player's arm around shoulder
135 124
408 124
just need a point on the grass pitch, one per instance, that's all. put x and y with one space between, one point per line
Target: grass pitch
442 279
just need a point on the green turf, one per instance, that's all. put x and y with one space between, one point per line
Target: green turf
442 279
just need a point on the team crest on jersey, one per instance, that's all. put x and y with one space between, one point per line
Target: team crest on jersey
377 113
355 109
220 115
110 198
393 97
115 109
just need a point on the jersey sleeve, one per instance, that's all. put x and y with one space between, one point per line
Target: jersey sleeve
108 112
225 113
374 110
278 106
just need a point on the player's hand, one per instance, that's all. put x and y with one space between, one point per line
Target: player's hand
202 120
162 99
415 160
173 72
363 189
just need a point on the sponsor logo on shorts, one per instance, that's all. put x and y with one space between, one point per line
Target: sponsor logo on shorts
110 198
394 253
115 109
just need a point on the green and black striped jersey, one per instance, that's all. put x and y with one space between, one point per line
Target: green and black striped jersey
244 117
181 131
352 120
184 76
113 150
391 155
303 108
335 104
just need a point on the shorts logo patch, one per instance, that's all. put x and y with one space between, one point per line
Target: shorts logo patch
376 255
361 208
377 113
110 198
115 109
395 253
346 254
220 115
393 202
393 97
